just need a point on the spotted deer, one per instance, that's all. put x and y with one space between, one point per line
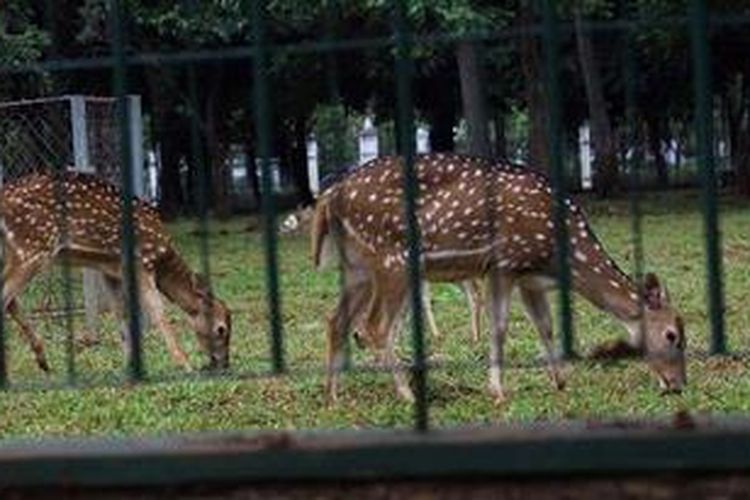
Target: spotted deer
48 218
478 220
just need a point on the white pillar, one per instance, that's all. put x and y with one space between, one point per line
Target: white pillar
313 170
80 137
584 154
423 140
135 122
368 142
92 280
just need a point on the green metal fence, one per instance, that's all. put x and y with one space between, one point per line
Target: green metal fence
419 457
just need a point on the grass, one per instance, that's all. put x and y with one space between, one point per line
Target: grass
673 239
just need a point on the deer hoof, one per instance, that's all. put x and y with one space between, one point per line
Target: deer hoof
498 396
559 383
406 395
43 365
332 399
358 340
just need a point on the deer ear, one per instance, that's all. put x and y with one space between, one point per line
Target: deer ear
655 294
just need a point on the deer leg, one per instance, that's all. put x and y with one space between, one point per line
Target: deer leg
429 314
387 319
154 307
473 293
500 288
113 287
29 335
537 310
351 305
16 275
390 359
116 297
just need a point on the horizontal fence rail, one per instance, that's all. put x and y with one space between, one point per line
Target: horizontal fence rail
564 450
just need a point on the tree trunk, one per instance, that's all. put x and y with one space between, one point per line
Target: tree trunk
442 120
217 152
253 182
297 159
500 148
604 144
441 133
473 99
536 101
739 129
742 166
655 140
162 106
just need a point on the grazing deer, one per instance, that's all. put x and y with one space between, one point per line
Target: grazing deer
483 220
74 217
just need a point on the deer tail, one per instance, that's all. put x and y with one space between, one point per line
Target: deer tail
322 234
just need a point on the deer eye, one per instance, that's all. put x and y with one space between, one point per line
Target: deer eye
673 338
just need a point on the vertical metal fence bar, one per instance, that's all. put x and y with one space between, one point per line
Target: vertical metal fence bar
135 361
63 222
704 135
3 367
78 125
203 170
551 41
404 74
77 111
334 95
332 76
262 126
204 178
634 163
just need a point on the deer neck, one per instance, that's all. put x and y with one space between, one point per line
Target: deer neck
613 292
598 279
177 282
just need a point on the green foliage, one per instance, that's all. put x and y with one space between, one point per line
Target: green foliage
336 131
20 40
210 23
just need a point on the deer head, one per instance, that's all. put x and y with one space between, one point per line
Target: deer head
213 326
663 336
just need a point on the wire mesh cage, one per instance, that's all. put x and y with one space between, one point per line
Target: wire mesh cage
70 132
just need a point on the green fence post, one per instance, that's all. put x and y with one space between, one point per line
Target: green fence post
67 277
50 15
635 162
337 160
3 368
404 74
704 135
262 126
202 170
551 46
135 363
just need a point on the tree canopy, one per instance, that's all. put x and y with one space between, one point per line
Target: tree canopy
474 65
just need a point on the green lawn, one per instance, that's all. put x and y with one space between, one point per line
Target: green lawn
673 237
